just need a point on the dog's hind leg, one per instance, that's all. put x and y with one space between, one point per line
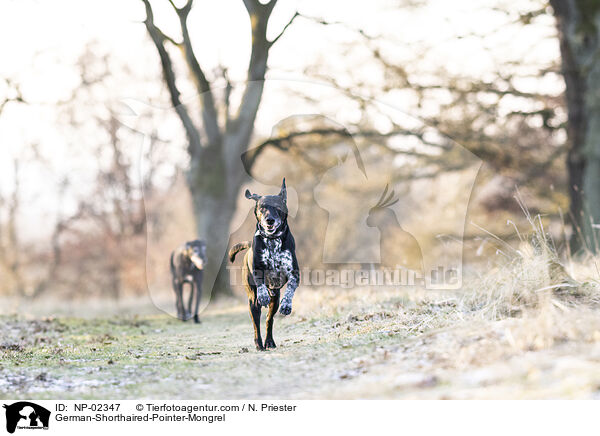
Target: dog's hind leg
255 314
273 306
178 287
198 292
178 302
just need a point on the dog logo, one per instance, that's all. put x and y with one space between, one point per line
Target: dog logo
26 415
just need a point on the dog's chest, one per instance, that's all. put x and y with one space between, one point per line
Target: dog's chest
274 258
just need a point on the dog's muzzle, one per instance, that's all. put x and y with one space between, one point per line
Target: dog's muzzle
197 261
271 229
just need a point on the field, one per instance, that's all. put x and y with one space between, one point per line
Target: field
519 332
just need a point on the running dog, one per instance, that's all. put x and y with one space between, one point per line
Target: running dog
270 263
187 265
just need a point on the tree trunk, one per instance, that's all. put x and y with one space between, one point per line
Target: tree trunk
213 218
214 180
216 173
114 277
578 24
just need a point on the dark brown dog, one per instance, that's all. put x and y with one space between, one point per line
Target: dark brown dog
187 264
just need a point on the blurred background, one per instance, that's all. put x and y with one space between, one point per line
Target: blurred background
127 128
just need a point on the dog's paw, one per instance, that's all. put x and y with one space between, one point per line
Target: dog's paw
259 345
285 308
270 343
262 295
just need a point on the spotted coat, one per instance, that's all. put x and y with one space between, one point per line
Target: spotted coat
275 265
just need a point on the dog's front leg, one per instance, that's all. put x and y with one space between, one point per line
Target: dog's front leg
285 307
259 269
178 286
262 293
293 271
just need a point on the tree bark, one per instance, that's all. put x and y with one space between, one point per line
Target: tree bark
578 23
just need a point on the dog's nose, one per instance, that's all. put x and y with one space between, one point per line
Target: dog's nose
270 221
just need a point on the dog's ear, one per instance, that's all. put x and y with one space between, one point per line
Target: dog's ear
283 192
251 196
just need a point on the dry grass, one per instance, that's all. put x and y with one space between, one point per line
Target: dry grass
527 328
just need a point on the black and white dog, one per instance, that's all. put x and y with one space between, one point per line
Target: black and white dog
187 264
270 262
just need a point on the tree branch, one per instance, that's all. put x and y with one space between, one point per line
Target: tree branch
323 22
289 23
244 121
167 68
62 225
209 112
226 95
255 6
284 142
18 98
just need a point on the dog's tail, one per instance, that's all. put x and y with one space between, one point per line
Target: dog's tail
237 248
172 262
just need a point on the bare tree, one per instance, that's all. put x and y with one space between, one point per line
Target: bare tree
215 145
10 250
28 270
116 210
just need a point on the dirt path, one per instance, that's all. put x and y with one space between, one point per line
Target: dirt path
355 345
